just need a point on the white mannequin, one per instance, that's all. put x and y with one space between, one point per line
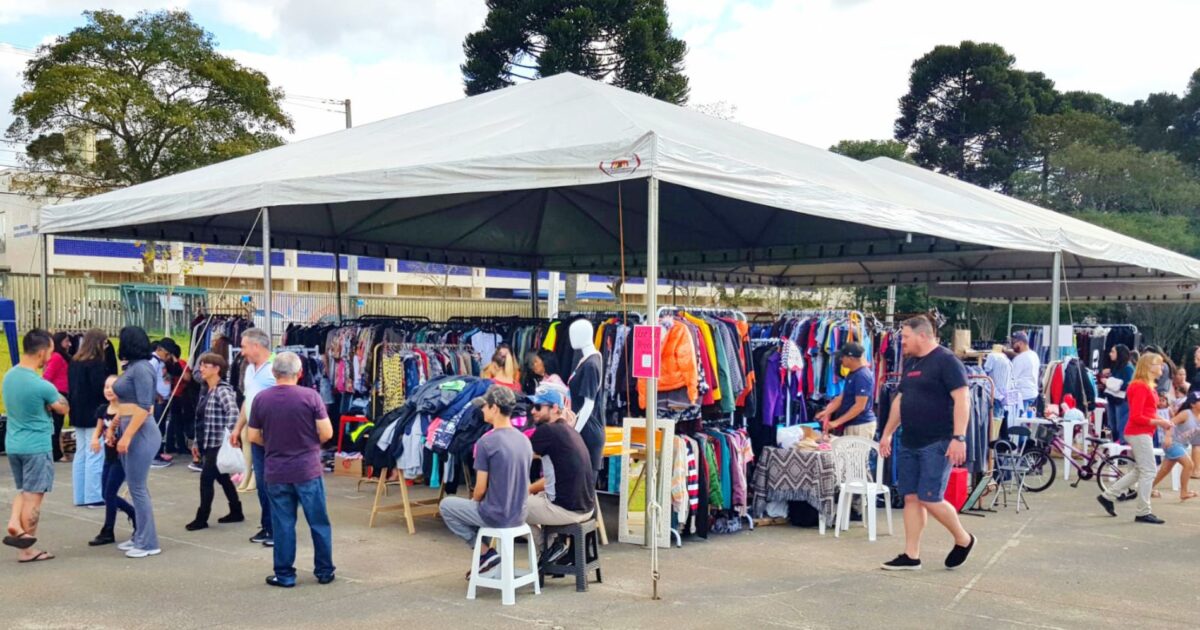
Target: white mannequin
582 335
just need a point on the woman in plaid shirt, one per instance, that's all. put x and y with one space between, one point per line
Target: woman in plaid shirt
216 413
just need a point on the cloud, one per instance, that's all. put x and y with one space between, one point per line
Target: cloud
13 11
824 70
817 71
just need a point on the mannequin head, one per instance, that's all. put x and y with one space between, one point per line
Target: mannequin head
582 335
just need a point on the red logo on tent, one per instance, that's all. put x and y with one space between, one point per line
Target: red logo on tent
621 166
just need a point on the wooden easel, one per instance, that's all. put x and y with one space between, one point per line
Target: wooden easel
424 507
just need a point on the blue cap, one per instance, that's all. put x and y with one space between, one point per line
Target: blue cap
548 397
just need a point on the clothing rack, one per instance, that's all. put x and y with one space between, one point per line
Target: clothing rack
401 347
726 312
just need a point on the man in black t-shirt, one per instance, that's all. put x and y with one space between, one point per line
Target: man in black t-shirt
574 480
932 407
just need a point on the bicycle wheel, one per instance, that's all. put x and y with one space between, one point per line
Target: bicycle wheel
1041 471
1111 469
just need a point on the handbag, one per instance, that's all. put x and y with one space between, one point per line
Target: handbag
1112 387
230 460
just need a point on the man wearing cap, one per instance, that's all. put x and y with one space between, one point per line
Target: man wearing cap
853 411
1026 367
574 481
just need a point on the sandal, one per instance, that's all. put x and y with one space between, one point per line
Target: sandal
42 556
20 541
1155 494
1190 495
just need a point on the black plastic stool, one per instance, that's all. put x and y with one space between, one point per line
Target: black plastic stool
585 545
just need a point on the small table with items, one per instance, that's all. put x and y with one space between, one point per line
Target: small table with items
791 474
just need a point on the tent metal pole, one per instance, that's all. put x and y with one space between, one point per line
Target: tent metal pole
533 293
891 305
652 505
552 297
1010 319
337 279
268 300
1055 305
45 243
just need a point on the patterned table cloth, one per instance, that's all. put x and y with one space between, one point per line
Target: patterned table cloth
795 475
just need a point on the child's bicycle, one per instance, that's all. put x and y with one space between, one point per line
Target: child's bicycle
1096 463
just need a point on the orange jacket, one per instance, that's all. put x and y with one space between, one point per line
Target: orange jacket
678 365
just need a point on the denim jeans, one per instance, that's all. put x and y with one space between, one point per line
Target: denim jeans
258 456
114 476
87 470
310 496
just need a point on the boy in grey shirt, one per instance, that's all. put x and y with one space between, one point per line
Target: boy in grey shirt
502 460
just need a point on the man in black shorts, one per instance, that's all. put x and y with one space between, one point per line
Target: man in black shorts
932 407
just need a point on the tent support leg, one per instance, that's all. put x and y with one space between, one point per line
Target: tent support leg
1010 320
268 300
552 297
1055 305
652 506
533 293
337 279
45 323
891 305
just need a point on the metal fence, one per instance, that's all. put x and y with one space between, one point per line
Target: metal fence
78 304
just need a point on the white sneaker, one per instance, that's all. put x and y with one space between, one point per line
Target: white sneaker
142 553
127 545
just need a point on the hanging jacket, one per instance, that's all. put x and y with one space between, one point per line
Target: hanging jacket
677 365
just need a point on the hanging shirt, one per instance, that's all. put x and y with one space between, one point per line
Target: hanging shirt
999 369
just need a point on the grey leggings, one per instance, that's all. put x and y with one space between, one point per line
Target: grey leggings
142 449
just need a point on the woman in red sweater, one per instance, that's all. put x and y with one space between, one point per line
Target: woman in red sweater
56 373
1139 434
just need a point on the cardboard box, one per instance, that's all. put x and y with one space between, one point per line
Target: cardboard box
962 341
347 466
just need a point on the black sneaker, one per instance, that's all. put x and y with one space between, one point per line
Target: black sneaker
554 553
902 563
1149 518
160 463
269 542
261 537
274 581
959 553
1108 505
326 579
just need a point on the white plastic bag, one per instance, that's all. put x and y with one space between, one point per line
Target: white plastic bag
229 459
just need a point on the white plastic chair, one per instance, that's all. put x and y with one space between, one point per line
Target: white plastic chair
852 462
509 580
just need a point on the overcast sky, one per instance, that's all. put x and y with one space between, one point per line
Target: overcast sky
816 71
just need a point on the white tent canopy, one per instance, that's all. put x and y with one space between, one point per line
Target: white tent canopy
544 174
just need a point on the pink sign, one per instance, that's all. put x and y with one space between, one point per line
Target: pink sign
646 343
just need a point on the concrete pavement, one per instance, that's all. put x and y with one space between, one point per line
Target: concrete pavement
1062 564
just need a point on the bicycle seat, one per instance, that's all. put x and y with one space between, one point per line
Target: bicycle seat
1096 440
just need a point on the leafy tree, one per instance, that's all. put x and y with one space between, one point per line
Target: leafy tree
1124 180
122 101
1149 121
626 41
1051 134
864 150
968 111
1177 233
1186 130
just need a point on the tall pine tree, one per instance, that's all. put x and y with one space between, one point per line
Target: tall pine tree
625 42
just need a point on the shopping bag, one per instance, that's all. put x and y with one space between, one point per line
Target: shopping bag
230 460
1112 387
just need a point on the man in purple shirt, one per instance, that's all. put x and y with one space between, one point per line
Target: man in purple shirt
290 423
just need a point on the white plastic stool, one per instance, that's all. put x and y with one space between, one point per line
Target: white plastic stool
509 581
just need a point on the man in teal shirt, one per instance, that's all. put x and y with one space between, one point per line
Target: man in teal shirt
30 399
